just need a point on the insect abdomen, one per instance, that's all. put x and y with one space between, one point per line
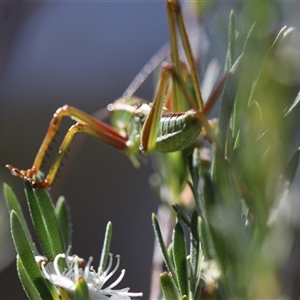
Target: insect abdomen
177 131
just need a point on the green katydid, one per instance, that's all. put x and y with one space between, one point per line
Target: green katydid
139 126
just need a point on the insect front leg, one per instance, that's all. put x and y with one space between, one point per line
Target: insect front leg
85 123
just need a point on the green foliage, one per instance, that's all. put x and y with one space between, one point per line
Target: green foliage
231 222
175 285
106 246
168 287
52 225
64 219
29 272
45 221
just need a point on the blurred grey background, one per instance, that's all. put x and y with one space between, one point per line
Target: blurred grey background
84 54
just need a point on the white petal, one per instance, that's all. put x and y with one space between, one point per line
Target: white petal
118 297
98 296
62 282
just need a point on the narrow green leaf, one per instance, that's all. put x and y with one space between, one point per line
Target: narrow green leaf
229 95
291 168
30 270
208 199
283 36
237 141
200 201
167 259
106 246
29 288
207 245
195 165
260 82
193 162
62 212
230 57
220 177
14 205
194 252
81 290
249 134
168 287
179 250
245 82
45 222
12 201
171 254
294 105
254 117
181 215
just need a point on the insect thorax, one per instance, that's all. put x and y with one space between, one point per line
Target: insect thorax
128 119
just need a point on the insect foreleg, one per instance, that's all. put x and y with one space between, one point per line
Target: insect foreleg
85 123
76 128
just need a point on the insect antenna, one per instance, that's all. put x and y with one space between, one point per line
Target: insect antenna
148 68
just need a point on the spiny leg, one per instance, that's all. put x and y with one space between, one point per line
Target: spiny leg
87 124
189 54
175 17
150 128
76 128
177 87
176 104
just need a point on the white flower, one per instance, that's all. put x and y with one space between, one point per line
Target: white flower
67 279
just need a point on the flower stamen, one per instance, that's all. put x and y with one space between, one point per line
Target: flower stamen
76 270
